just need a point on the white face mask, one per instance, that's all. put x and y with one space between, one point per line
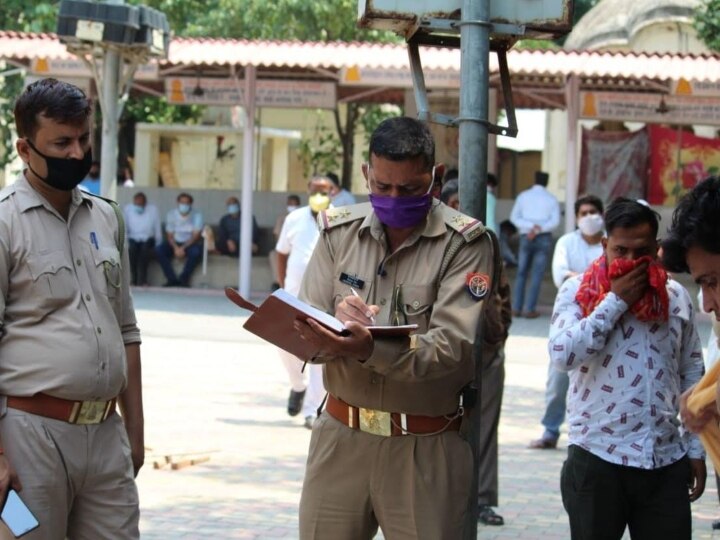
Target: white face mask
591 224
290 208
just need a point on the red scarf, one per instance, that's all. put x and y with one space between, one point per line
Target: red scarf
654 304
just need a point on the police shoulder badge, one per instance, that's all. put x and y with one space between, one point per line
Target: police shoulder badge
478 285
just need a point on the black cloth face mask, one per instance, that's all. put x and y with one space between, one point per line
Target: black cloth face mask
63 173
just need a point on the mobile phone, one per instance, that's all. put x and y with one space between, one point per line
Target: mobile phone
17 516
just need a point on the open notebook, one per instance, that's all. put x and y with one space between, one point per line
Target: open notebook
274 319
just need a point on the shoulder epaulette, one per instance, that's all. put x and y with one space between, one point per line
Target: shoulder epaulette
106 199
469 228
6 192
332 217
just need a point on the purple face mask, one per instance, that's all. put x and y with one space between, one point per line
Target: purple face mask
402 212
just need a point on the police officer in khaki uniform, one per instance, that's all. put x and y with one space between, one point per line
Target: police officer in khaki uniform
70 346
390 450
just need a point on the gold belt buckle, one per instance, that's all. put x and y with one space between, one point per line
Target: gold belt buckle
90 412
375 422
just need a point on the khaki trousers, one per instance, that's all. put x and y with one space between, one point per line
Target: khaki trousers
77 480
412 487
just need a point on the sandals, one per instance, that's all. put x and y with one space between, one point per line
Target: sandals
487 516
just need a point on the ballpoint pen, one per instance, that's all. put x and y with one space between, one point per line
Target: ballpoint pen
372 319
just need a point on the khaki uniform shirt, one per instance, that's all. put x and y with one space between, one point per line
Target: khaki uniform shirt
65 303
422 374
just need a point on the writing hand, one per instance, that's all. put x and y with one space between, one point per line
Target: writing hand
352 308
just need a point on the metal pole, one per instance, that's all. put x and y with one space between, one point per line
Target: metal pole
571 174
246 200
109 103
474 83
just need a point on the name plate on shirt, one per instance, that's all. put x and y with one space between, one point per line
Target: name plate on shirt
353 281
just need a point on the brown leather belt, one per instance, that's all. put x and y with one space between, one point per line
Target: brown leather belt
73 412
389 424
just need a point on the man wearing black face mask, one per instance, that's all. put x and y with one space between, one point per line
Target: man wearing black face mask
390 449
70 347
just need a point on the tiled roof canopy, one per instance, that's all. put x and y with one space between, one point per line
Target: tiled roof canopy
531 71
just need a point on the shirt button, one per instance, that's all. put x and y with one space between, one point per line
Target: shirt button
102 366
382 301
99 330
78 262
416 304
87 297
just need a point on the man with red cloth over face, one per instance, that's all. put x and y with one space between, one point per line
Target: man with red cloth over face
626 334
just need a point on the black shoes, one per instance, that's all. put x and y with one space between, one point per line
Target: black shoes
487 516
295 402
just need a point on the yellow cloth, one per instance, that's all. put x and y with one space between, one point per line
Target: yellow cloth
703 395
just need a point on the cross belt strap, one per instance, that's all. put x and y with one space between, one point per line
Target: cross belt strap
73 412
389 424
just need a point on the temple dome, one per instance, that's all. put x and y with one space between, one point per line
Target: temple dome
620 25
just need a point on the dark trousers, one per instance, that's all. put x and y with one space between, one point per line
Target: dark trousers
221 247
140 252
602 498
164 253
491 394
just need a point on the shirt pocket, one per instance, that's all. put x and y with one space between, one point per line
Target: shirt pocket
416 304
107 275
53 278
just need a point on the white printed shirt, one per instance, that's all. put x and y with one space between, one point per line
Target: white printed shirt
626 377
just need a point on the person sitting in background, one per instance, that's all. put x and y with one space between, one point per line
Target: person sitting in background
142 222
574 252
293 203
91 182
183 240
339 196
228 240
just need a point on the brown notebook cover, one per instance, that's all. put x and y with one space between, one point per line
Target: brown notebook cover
274 321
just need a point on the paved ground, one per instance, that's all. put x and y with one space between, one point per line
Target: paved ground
213 389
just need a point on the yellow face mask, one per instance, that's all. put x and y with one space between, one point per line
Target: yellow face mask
319 202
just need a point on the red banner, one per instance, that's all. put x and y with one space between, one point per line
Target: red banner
614 163
678 161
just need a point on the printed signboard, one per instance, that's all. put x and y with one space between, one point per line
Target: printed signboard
650 108
397 78
75 67
269 93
